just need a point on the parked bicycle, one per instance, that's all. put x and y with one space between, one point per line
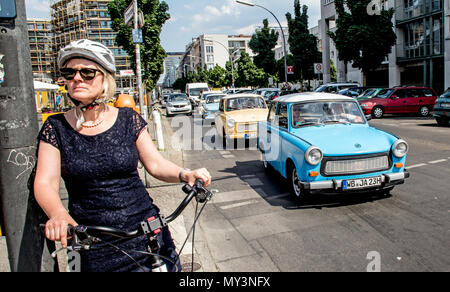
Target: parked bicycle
85 238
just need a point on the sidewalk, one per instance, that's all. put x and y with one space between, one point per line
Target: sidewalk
167 197
4 262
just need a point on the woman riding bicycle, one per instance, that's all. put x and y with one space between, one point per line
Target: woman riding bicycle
95 148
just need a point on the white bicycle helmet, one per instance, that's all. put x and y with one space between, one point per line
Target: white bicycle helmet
90 50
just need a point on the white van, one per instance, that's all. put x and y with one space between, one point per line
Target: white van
194 90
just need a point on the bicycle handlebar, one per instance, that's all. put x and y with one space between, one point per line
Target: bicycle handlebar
197 190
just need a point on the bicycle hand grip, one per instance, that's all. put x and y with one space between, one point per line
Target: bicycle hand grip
199 183
70 229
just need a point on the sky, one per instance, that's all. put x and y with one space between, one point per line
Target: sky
192 18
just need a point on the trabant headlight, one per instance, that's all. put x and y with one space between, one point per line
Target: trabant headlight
400 148
230 123
313 155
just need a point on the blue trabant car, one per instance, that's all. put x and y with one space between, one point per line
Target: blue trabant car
209 107
322 143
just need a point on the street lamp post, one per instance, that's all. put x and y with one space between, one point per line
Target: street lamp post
142 109
282 32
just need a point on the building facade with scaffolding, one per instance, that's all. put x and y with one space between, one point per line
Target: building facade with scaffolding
41 36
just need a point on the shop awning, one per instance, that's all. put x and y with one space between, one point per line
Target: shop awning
39 85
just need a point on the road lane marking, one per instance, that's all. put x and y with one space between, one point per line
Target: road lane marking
228 156
437 161
239 204
416 165
233 196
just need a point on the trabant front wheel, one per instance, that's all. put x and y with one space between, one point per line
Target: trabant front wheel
295 184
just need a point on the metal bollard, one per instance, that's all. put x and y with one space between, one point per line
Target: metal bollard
158 129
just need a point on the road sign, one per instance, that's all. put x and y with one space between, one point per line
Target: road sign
8 9
129 13
290 69
318 68
123 73
137 36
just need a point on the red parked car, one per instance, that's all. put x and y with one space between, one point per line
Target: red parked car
400 100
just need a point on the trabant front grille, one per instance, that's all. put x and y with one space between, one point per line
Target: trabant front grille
356 165
247 127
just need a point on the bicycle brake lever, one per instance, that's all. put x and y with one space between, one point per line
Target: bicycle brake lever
54 254
205 195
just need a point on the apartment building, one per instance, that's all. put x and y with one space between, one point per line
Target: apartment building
41 37
279 48
209 50
423 43
421 55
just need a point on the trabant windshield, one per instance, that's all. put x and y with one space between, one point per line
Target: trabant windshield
321 88
241 103
314 113
214 98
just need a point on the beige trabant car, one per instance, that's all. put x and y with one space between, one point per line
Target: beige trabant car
239 114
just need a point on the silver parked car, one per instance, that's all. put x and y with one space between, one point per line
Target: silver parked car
178 103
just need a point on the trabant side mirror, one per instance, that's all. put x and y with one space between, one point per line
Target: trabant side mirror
368 117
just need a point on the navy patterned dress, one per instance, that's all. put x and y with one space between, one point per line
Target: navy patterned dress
104 188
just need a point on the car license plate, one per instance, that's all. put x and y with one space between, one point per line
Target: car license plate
361 183
446 105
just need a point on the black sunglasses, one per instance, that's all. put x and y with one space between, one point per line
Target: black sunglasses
85 73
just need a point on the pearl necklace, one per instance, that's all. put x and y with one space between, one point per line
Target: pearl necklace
90 124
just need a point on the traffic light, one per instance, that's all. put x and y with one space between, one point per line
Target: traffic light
8 9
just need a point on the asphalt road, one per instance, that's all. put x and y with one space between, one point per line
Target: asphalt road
254 224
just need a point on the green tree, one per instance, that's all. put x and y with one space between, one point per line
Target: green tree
361 38
247 74
216 77
152 53
262 44
303 45
333 71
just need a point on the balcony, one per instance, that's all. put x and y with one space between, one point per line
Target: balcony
406 10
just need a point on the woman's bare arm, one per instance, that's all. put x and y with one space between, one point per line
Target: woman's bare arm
46 189
163 169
